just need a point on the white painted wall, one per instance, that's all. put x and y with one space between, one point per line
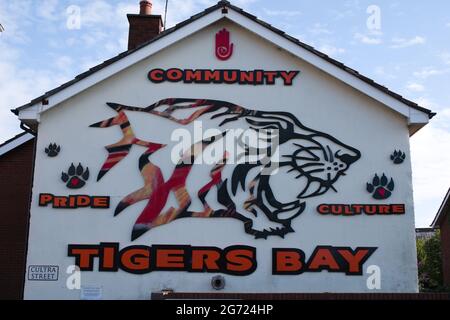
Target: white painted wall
317 100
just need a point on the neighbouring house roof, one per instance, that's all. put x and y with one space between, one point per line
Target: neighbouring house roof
421 230
442 212
15 142
425 233
223 9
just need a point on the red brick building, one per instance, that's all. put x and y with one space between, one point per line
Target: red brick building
442 222
16 165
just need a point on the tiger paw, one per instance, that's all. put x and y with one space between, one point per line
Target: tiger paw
52 150
75 178
398 157
380 188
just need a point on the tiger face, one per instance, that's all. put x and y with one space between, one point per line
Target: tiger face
318 161
306 161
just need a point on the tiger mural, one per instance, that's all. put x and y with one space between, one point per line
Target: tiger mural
308 160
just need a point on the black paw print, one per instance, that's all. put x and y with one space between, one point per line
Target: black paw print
75 178
380 188
398 157
52 150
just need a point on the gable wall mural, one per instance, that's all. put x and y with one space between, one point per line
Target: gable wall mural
257 167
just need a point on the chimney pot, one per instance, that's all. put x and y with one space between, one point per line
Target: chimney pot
146 7
143 26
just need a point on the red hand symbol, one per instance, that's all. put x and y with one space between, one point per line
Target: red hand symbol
224 49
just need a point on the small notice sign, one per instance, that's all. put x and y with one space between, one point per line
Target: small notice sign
91 293
43 273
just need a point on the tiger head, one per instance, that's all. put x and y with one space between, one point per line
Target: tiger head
296 163
307 162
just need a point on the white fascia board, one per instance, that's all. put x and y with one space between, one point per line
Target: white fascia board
417 117
33 111
329 68
15 143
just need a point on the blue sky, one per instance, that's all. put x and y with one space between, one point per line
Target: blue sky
410 54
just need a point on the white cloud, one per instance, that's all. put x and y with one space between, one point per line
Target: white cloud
366 39
354 4
104 29
19 82
63 62
239 3
350 8
375 33
403 42
430 159
416 87
318 29
91 39
429 72
101 17
282 13
47 9
14 16
331 50
97 12
445 57
179 10
18 86
381 71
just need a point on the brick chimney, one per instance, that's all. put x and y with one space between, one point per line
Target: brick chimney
143 26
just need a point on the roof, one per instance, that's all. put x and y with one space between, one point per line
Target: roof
442 212
425 233
425 230
15 142
224 6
